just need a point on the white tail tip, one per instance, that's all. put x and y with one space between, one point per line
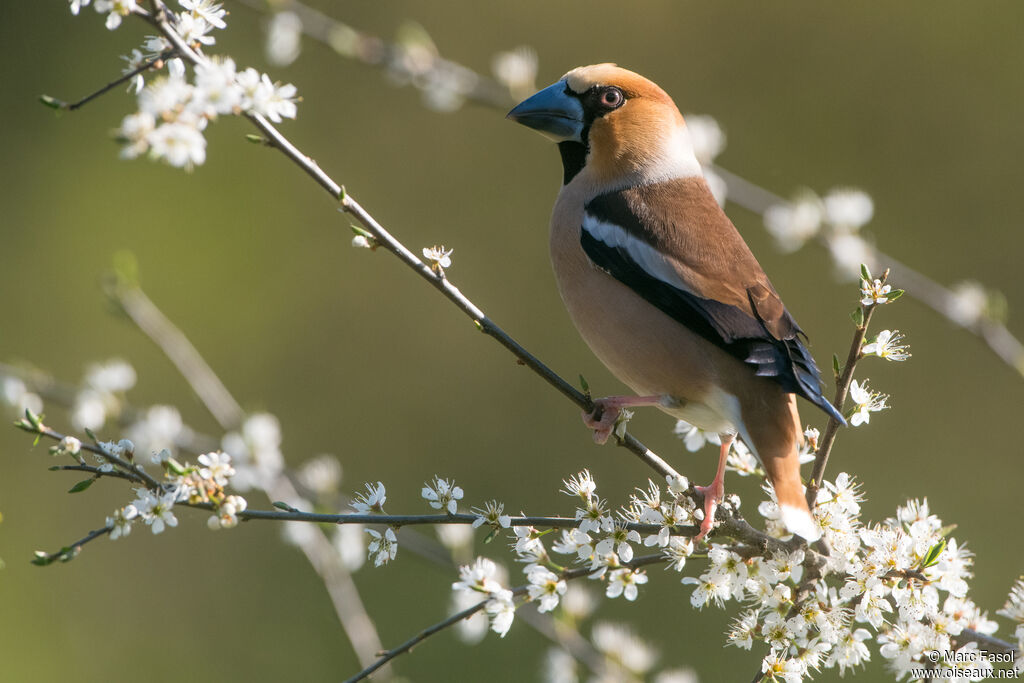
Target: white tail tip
800 522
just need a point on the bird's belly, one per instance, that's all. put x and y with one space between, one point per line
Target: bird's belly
646 349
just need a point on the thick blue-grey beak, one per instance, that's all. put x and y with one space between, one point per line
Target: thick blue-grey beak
553 112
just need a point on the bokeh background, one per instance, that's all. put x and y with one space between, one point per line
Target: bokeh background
918 103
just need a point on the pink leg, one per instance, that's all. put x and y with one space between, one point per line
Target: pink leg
714 493
606 413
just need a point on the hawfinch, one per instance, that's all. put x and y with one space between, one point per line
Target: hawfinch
662 287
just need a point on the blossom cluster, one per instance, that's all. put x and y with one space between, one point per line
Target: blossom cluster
173 110
838 218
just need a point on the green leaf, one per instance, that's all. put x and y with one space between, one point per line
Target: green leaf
895 294
585 385
42 559
52 102
81 486
281 505
363 232
33 419
490 536
255 139
857 316
865 273
931 558
89 433
836 368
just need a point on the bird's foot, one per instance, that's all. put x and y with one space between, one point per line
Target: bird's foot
713 495
608 411
602 419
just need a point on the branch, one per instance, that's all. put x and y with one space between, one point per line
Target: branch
172 341
842 389
132 471
145 66
68 553
568 574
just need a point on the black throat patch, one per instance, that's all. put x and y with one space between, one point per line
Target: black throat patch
574 156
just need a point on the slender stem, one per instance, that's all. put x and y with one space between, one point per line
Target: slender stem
842 389
71 550
470 611
145 66
117 474
134 472
418 638
176 346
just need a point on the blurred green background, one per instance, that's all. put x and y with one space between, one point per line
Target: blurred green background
918 103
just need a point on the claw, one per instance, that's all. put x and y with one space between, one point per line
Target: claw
608 410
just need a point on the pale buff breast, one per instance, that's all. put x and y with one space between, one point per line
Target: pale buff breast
644 348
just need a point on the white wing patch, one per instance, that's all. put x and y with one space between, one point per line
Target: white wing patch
652 261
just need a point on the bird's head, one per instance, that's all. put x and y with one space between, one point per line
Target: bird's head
612 122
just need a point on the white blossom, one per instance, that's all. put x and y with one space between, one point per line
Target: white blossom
968 303
160 428
886 344
624 582
116 10
121 522
792 224
481 576
848 252
14 393
501 608
321 475
581 485
216 466
372 500
179 144
694 437
874 292
546 587
383 547
516 70
209 11
619 644
227 513
618 539
255 452
492 514
133 62
866 402
69 445
284 38
443 495
156 511
438 258
848 208
216 89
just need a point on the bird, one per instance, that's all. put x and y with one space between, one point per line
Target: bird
663 288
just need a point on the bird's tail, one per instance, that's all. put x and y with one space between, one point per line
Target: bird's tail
777 435
796 516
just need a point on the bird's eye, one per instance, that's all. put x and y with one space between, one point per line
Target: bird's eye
612 98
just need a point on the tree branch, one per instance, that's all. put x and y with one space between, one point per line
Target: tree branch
842 389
